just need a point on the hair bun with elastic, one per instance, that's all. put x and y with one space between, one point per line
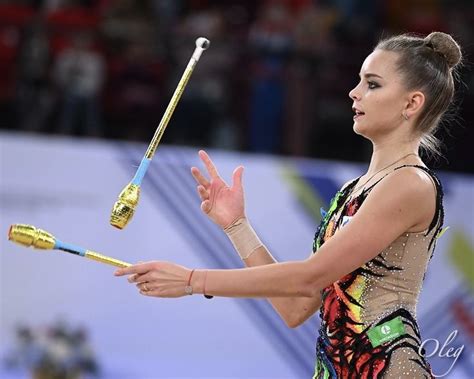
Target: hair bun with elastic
445 45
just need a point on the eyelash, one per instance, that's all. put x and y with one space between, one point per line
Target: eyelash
373 85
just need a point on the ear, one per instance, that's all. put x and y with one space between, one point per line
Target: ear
415 103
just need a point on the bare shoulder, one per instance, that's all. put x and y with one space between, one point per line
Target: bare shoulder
404 201
411 189
411 181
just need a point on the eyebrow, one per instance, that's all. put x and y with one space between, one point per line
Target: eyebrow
370 75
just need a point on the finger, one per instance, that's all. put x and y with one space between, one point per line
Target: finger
135 269
145 293
148 277
203 194
237 177
211 168
133 278
199 177
140 278
145 287
206 206
154 293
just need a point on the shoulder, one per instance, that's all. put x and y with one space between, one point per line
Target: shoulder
403 201
406 194
407 182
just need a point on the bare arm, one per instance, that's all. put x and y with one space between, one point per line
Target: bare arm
294 310
405 199
223 204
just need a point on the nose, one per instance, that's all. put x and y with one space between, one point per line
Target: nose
354 94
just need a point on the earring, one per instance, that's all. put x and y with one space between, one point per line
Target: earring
405 116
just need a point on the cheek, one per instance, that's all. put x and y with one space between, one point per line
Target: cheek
382 113
386 108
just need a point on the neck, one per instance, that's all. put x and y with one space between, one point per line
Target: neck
386 153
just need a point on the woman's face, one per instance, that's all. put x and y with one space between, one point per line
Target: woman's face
379 99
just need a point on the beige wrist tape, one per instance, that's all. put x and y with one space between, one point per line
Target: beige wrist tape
243 237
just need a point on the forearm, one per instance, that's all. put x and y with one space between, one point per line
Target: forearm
293 310
287 279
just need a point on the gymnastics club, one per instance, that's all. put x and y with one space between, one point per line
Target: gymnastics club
28 235
124 208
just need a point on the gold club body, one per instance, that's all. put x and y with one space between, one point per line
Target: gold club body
30 236
124 208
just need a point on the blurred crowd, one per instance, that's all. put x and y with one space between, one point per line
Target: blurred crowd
56 352
275 79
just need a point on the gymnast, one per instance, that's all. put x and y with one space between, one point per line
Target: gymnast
371 249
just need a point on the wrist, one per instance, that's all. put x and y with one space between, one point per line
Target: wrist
233 222
198 281
189 288
243 237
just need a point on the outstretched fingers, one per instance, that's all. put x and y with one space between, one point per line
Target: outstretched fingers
203 193
237 177
199 177
206 206
211 168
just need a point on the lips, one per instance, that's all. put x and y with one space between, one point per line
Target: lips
358 113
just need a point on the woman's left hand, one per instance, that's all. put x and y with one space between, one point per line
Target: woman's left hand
158 279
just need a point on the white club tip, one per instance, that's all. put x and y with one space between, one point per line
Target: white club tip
203 43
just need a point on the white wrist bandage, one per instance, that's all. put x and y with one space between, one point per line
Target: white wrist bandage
243 237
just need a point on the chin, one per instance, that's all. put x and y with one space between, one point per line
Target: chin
357 129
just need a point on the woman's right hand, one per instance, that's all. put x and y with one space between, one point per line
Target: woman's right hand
223 204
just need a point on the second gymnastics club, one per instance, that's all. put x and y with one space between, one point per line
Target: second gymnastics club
28 235
124 208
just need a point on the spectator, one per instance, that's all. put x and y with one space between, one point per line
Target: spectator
271 41
314 41
134 93
34 100
204 116
79 74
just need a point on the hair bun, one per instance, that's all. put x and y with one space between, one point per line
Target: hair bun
446 45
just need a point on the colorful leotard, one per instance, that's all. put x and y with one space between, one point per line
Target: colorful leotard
382 292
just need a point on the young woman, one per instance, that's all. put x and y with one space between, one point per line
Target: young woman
372 248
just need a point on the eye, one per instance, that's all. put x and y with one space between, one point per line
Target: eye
373 85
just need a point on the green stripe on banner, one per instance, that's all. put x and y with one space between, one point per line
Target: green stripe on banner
304 192
462 256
